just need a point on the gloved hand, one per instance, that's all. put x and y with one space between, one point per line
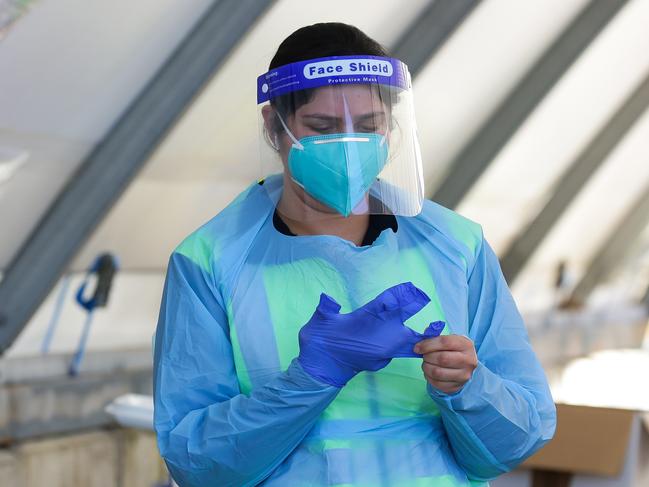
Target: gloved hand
335 347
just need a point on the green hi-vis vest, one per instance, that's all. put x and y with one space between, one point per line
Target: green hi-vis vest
396 392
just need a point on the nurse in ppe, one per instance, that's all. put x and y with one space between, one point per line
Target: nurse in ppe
297 343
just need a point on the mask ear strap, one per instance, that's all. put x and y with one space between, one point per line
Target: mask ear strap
296 143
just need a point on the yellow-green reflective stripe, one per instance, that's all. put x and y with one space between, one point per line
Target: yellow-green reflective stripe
402 381
352 402
293 292
417 270
323 444
245 384
437 481
464 230
403 390
199 247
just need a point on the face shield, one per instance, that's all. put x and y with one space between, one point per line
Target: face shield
342 132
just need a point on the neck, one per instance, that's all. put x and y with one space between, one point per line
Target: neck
304 219
352 228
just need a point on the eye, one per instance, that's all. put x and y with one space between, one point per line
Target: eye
371 125
368 128
322 128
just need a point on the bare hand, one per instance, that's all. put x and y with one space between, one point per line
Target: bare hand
449 361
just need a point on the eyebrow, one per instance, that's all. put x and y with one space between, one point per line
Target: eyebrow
329 118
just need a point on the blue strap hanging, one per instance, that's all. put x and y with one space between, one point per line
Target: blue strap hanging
54 321
105 266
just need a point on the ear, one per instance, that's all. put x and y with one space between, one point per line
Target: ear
267 112
270 124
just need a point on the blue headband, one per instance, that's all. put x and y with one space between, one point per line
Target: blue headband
333 70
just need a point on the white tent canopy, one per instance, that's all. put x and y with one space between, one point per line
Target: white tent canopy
69 69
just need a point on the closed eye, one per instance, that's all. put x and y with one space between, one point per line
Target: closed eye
322 129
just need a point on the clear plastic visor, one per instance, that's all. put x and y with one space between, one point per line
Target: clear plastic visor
343 150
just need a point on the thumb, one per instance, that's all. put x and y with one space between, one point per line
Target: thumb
328 305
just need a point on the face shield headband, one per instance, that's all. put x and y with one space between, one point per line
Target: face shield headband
328 71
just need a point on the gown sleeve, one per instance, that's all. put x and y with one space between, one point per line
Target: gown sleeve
505 412
208 432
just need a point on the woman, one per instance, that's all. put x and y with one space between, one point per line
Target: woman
282 356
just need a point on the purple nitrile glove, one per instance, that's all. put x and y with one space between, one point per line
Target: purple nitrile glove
433 330
334 347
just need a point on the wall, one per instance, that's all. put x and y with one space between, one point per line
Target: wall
101 458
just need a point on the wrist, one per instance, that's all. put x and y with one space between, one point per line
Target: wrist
325 372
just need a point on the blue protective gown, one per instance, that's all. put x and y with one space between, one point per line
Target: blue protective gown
233 407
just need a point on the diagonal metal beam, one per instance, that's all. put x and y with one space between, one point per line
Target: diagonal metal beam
645 298
573 180
613 251
429 31
114 162
476 156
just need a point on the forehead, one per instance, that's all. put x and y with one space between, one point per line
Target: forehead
334 98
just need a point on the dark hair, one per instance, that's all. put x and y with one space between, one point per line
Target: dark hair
325 39
315 41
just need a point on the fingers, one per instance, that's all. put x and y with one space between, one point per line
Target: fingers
449 360
403 300
438 374
444 342
328 304
450 367
412 300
